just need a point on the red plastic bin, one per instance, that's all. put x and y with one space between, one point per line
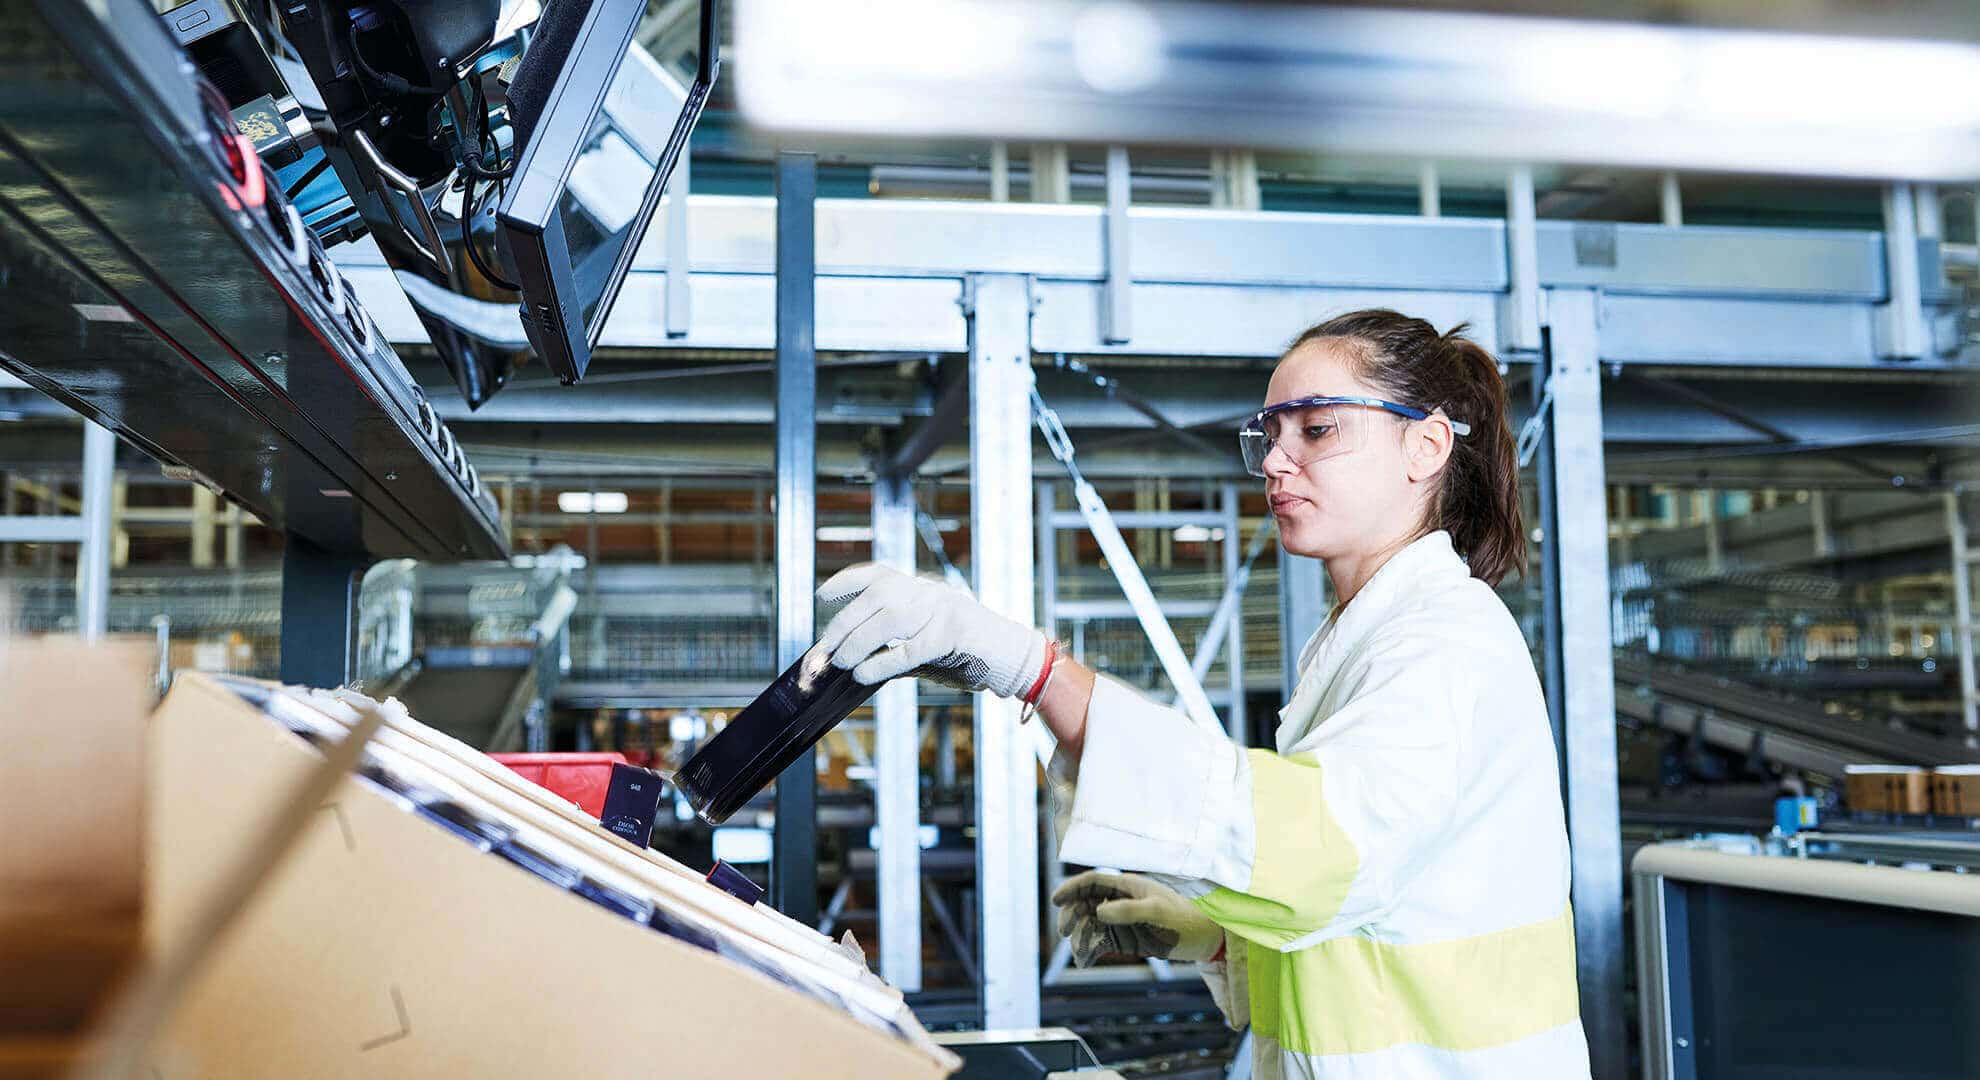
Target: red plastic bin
581 778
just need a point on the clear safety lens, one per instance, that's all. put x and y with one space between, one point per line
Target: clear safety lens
1303 433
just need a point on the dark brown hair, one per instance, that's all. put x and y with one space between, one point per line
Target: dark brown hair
1412 364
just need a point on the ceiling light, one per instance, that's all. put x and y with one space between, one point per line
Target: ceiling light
1117 47
592 502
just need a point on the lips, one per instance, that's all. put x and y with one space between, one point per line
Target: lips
1283 503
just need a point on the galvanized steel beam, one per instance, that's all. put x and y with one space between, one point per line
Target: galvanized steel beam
897 754
93 562
1579 527
1000 384
794 853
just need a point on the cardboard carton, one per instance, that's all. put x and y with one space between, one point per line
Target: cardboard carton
1956 790
1886 789
382 945
71 736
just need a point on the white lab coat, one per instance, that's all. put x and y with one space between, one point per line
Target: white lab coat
1393 880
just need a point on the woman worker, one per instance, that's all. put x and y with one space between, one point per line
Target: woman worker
1385 894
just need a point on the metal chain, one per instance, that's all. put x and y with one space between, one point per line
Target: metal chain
1530 432
931 535
1054 431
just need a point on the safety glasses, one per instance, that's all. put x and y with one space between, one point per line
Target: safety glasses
1314 429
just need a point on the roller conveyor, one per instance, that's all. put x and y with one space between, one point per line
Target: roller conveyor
1744 719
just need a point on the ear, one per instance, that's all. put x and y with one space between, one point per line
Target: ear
1427 446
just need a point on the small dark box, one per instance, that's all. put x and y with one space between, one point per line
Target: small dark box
631 803
734 882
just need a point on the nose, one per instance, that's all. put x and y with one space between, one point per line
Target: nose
1278 462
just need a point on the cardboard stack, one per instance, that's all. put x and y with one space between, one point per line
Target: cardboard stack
71 879
443 917
1946 790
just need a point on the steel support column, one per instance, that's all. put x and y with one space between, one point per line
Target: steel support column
1963 627
1429 194
794 854
1235 720
1000 172
897 746
1545 499
1116 314
1818 517
1051 173
319 614
1672 198
1908 340
1046 522
1521 326
1579 528
1930 213
1302 608
1000 379
93 562
1715 540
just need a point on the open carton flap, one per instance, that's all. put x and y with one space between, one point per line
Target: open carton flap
386 945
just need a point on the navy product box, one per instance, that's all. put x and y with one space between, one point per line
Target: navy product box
631 803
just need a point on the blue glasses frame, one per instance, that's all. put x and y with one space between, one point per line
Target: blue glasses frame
1252 439
1408 412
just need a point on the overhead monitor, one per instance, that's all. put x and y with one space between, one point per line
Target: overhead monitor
601 121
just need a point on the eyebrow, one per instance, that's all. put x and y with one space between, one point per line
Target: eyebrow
1302 397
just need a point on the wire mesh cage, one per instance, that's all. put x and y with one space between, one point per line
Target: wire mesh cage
227 621
661 647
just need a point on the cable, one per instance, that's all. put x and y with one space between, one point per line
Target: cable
393 84
469 211
484 142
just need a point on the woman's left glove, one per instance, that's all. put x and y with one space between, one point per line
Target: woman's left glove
900 625
1108 914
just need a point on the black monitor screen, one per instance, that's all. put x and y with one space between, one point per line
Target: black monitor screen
627 142
603 104
1787 987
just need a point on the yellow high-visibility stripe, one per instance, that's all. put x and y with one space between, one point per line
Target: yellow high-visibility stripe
1304 861
1352 995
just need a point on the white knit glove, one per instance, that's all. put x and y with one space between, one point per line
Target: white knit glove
1107 914
899 625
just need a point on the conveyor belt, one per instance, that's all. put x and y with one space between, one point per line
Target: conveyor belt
1742 718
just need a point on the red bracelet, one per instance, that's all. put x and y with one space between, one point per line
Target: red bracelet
1044 674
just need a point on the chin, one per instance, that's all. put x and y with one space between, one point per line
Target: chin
1304 536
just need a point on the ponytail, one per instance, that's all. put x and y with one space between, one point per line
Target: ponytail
1477 498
